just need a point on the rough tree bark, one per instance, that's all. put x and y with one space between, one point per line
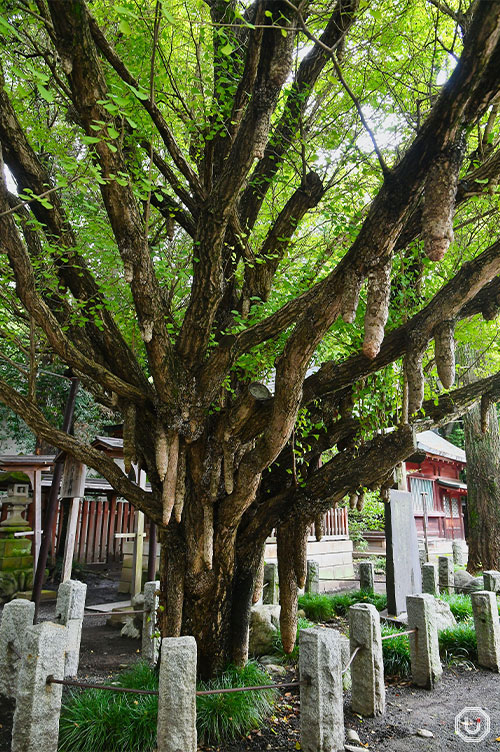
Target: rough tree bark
482 449
218 447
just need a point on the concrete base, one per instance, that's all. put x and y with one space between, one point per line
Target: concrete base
394 621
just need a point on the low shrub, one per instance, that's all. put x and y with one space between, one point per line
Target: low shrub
459 642
94 720
222 718
323 607
317 607
396 653
460 605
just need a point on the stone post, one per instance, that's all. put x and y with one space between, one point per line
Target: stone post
446 575
270 595
422 556
150 636
426 666
459 555
70 608
366 575
485 610
38 704
312 579
367 668
17 616
321 699
430 579
491 579
176 730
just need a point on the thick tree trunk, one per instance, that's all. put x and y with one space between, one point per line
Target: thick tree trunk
482 448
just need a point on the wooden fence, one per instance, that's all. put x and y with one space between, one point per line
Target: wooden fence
100 519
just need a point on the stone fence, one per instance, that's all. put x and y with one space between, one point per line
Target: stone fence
35 662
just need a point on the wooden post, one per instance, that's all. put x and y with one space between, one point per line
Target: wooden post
37 516
72 488
424 522
69 546
53 501
153 548
138 545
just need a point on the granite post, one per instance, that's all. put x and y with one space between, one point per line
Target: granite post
485 610
176 729
70 609
459 554
491 579
446 575
270 595
321 699
430 579
312 579
38 704
367 668
426 666
366 575
16 617
150 634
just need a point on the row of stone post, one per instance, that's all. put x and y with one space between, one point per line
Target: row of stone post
270 594
367 668
440 578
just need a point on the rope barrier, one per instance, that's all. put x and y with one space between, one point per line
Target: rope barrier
353 656
398 634
201 693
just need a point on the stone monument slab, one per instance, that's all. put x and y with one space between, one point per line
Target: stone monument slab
403 564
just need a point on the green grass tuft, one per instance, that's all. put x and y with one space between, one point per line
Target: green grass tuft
103 721
396 653
323 607
459 603
222 718
459 642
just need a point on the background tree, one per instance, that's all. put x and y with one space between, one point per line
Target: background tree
482 447
230 220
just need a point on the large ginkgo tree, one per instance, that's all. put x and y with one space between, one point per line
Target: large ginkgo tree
234 221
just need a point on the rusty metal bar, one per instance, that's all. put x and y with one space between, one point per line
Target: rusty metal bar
248 689
353 656
113 688
398 634
90 685
115 613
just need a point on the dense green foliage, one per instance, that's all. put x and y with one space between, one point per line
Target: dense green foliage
322 607
95 720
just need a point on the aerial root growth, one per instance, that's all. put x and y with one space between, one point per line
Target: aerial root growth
129 418
415 378
170 480
439 205
444 346
350 297
259 579
208 535
286 541
319 526
161 452
377 309
180 486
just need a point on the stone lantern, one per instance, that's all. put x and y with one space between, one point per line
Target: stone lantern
16 564
17 499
